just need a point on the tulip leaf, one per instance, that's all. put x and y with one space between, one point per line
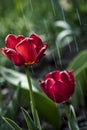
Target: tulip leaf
11 123
62 24
72 121
12 106
79 65
38 121
29 121
78 61
43 103
64 38
9 111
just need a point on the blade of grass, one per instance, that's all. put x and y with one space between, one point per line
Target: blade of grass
29 121
11 123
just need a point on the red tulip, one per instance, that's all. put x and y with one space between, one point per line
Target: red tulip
59 86
23 51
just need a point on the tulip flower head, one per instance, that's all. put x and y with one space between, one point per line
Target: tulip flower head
58 86
24 51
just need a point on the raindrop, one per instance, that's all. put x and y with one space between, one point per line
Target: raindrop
77 49
32 70
46 26
81 93
25 21
53 56
63 14
59 55
60 61
31 5
70 48
78 15
53 7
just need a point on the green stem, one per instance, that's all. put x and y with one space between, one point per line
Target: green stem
32 102
70 113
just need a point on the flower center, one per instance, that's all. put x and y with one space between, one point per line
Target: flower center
30 63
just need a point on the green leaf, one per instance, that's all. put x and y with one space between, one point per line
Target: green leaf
9 111
79 65
57 7
61 37
12 106
75 4
67 34
5 126
11 123
62 24
46 108
78 61
29 121
72 121
38 121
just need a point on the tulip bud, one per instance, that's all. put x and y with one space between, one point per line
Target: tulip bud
58 85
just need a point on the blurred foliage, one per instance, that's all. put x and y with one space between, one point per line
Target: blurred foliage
9 110
20 17
66 35
58 22
11 124
79 65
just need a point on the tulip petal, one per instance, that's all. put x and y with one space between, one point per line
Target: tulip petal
20 38
68 79
26 49
55 94
50 82
71 74
12 40
55 75
37 42
41 53
13 56
65 77
3 50
49 75
59 92
43 87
